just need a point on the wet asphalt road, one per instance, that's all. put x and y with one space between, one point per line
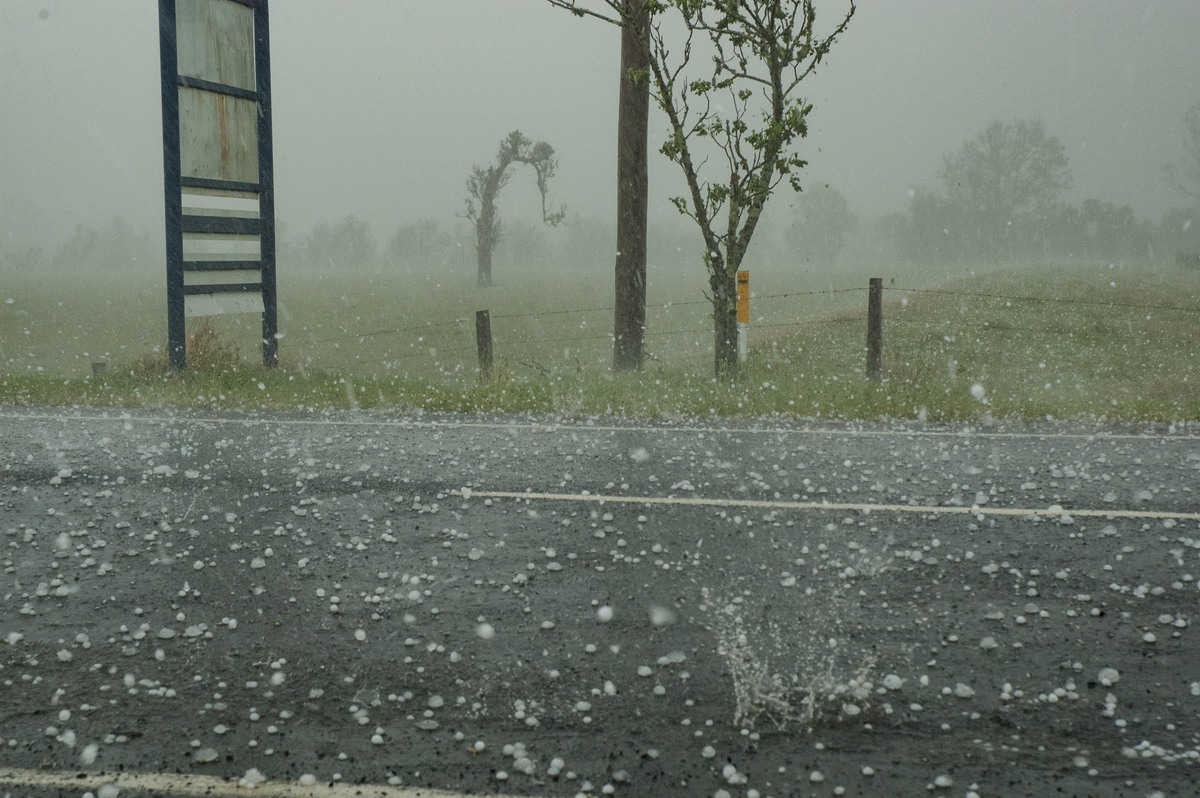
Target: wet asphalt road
447 602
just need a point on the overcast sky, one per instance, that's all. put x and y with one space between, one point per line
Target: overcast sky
382 106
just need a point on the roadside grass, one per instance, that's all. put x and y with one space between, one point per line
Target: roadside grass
1117 343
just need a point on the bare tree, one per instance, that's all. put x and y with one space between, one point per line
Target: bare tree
1186 178
730 92
484 186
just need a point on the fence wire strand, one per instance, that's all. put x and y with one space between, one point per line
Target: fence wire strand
431 326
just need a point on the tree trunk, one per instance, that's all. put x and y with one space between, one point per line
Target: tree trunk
725 332
483 262
629 322
485 241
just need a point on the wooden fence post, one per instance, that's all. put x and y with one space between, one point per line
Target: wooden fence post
875 329
483 342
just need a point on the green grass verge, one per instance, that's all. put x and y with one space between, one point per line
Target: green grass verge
1097 342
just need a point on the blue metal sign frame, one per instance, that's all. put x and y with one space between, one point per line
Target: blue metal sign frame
193 274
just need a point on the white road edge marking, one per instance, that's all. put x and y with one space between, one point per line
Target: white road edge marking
197 785
966 432
925 509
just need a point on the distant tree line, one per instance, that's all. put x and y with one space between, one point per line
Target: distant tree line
118 245
997 199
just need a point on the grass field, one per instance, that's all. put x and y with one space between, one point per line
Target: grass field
1103 341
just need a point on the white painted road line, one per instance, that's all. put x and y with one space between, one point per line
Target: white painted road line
923 509
175 784
965 433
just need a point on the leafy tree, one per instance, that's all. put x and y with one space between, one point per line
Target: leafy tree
731 95
349 244
1009 169
1114 232
30 259
118 245
484 185
823 222
1186 178
420 246
1179 234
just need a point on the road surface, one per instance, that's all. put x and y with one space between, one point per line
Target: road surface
532 607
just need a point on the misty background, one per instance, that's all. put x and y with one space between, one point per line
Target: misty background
381 108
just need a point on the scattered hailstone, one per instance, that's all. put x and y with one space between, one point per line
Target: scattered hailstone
88 755
661 616
108 790
1109 676
205 755
252 779
485 631
977 391
604 614
944 780
639 455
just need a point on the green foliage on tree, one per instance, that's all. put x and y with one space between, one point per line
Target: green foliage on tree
484 186
728 74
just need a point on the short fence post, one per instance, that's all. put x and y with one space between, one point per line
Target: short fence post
483 342
875 329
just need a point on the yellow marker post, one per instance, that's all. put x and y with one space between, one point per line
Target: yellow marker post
743 297
743 312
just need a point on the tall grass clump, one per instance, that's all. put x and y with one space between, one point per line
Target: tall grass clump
206 351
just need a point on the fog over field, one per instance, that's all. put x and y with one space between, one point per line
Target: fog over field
382 107
885 487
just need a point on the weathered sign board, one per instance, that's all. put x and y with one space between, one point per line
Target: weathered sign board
217 168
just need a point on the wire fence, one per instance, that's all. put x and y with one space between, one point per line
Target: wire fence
418 346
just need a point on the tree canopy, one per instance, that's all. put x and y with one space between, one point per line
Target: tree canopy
1008 168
